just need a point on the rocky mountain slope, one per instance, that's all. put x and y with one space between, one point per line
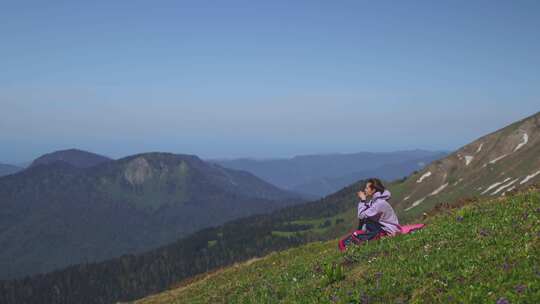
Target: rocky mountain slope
492 165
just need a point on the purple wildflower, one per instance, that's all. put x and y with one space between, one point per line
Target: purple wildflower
503 301
483 232
520 288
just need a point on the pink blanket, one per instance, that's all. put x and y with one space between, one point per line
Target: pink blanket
344 242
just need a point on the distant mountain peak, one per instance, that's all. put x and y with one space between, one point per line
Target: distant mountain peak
75 157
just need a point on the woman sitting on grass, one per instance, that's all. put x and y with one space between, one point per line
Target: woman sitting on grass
376 214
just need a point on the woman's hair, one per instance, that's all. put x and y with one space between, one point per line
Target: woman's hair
376 184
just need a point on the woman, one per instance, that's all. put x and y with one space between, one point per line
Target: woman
376 216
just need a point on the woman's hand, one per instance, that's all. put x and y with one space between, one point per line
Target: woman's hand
362 195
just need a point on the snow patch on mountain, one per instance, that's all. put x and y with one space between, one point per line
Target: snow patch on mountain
525 140
457 182
438 190
468 159
495 185
424 176
416 203
504 186
509 189
435 192
497 159
529 177
480 148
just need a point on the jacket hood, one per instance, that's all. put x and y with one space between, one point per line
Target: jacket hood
386 195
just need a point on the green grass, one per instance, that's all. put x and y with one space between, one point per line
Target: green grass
480 253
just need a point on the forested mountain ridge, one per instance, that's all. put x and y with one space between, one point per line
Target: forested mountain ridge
55 214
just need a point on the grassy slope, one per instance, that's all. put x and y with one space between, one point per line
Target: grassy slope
479 253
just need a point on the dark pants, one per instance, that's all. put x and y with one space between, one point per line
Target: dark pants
372 229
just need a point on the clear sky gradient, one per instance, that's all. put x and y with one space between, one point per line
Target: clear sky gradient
262 78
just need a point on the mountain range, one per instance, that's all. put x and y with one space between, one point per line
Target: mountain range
320 175
67 210
51 209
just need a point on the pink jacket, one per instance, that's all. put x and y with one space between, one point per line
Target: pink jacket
380 210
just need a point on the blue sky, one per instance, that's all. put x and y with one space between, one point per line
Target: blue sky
262 78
